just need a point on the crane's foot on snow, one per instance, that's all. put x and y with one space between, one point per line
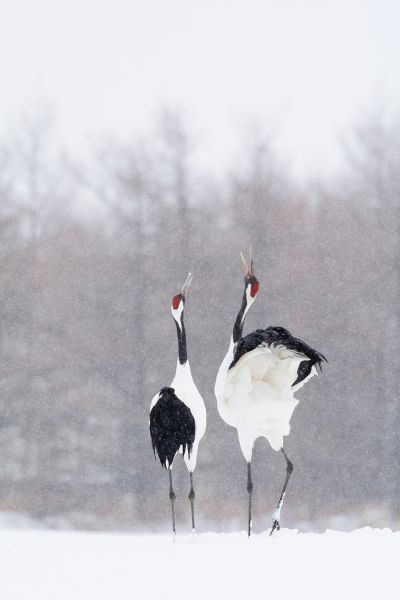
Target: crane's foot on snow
275 526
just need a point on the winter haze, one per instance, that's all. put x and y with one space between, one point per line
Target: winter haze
140 141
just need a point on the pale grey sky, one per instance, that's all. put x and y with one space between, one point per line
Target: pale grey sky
305 68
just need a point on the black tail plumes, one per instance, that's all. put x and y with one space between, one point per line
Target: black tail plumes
171 426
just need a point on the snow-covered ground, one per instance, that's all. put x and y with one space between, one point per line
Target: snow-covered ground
49 565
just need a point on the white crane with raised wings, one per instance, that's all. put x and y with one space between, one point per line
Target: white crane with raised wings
256 383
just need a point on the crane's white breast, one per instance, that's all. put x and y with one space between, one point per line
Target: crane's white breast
186 390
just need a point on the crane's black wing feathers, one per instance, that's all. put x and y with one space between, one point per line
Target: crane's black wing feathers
172 425
279 337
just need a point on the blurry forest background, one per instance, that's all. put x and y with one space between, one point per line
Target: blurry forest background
92 253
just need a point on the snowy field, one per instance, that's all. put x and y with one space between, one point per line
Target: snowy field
49 565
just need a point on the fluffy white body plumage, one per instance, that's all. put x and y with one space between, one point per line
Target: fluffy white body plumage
186 390
256 396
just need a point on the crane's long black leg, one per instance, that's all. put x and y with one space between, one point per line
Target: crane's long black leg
250 491
191 498
277 514
172 498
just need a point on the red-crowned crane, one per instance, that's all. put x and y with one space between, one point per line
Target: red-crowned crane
256 383
177 413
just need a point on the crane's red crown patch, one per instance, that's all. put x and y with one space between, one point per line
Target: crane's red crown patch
176 300
254 288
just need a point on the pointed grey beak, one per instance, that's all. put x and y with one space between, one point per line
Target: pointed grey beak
186 285
248 270
246 266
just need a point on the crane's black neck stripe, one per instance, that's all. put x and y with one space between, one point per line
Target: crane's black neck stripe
181 333
238 327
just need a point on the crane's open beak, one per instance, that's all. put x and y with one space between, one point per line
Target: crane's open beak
186 285
249 271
